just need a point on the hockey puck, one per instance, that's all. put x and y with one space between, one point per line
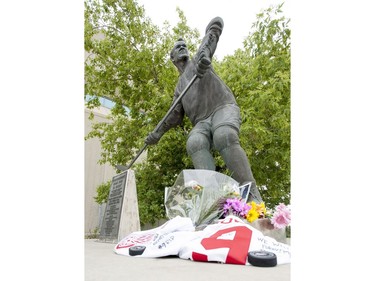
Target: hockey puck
262 258
136 250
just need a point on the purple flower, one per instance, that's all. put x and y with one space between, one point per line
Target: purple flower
236 207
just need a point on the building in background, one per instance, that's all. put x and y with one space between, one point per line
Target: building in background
95 173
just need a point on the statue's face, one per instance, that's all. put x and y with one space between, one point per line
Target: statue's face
180 52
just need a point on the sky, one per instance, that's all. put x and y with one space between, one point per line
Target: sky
238 16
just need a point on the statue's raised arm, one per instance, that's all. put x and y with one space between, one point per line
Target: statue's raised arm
210 40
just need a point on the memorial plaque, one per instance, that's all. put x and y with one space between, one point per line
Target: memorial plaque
112 215
121 215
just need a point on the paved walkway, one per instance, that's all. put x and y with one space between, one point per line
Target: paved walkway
103 264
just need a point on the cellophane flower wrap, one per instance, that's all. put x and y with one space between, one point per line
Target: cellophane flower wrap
199 195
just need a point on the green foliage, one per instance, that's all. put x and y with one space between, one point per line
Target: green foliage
128 62
259 76
93 234
102 192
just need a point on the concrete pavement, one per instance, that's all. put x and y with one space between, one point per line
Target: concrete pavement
103 264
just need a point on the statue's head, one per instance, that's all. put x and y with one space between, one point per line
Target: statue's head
179 52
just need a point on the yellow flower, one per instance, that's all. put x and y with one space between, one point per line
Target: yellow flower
252 215
253 205
259 208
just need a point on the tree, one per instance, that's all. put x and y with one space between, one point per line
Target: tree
259 75
129 63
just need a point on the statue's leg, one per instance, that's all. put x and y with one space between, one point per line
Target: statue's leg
226 141
198 147
226 126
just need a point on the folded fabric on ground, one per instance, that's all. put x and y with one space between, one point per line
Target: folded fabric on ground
227 241
165 240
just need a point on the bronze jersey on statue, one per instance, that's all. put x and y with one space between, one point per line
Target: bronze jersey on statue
205 95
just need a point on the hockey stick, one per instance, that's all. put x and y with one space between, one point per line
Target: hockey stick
124 168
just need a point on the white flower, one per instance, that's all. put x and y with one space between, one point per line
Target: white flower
191 183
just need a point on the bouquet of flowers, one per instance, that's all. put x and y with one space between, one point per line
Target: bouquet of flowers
280 218
200 195
206 196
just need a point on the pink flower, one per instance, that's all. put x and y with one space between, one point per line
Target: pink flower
282 217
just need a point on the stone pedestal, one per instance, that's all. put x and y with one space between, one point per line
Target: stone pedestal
121 215
266 227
